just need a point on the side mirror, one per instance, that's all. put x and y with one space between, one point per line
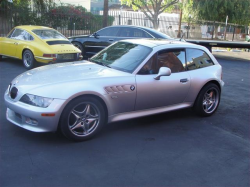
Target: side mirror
164 71
95 35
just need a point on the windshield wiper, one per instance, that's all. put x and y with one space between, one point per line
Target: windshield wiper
100 63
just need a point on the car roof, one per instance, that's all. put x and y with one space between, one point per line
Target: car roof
160 42
31 27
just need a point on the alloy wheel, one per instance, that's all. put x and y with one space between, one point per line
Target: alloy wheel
84 119
210 100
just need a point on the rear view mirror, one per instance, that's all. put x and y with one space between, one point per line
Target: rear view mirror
164 71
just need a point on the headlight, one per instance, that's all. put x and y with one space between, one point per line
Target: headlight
36 100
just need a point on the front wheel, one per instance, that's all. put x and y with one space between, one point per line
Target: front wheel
82 118
208 100
29 61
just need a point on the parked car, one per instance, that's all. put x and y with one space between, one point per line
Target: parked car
34 44
129 79
92 44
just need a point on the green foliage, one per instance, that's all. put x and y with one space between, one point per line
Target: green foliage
45 13
217 10
151 8
76 17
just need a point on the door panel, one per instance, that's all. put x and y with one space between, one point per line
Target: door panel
96 44
169 90
8 46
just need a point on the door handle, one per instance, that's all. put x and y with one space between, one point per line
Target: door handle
111 40
183 80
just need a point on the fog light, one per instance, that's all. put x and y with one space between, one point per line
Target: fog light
31 121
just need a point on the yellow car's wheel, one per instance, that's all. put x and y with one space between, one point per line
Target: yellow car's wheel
28 59
0 57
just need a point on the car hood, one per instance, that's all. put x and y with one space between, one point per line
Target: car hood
65 72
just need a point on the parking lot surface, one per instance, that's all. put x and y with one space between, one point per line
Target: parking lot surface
171 149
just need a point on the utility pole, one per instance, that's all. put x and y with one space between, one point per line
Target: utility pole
105 13
179 30
225 32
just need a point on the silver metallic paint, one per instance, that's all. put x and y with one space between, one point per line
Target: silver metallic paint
66 81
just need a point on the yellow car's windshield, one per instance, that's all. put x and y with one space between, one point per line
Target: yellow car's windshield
48 34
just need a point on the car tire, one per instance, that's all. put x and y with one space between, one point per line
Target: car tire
1 57
208 100
78 45
29 61
82 118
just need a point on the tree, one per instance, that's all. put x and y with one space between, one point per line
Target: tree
105 13
151 8
217 10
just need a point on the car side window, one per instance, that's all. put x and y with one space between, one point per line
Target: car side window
134 32
10 33
197 58
21 35
111 31
173 59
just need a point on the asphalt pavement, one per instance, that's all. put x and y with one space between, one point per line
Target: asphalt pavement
175 149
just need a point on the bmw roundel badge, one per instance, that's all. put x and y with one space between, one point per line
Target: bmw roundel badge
132 87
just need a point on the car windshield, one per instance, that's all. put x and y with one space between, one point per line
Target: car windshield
122 56
48 34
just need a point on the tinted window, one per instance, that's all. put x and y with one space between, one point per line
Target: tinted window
111 31
133 32
197 59
174 59
21 35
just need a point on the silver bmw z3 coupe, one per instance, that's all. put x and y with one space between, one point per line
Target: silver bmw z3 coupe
129 79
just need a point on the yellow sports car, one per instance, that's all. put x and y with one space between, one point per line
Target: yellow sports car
34 44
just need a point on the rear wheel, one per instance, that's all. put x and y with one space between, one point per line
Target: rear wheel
208 100
78 45
0 57
29 61
82 118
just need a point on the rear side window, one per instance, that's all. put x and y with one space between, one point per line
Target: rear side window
110 31
21 35
197 59
133 32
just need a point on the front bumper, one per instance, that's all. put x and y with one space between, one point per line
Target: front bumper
29 117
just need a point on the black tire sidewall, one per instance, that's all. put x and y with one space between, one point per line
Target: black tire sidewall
198 106
33 59
79 44
65 114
